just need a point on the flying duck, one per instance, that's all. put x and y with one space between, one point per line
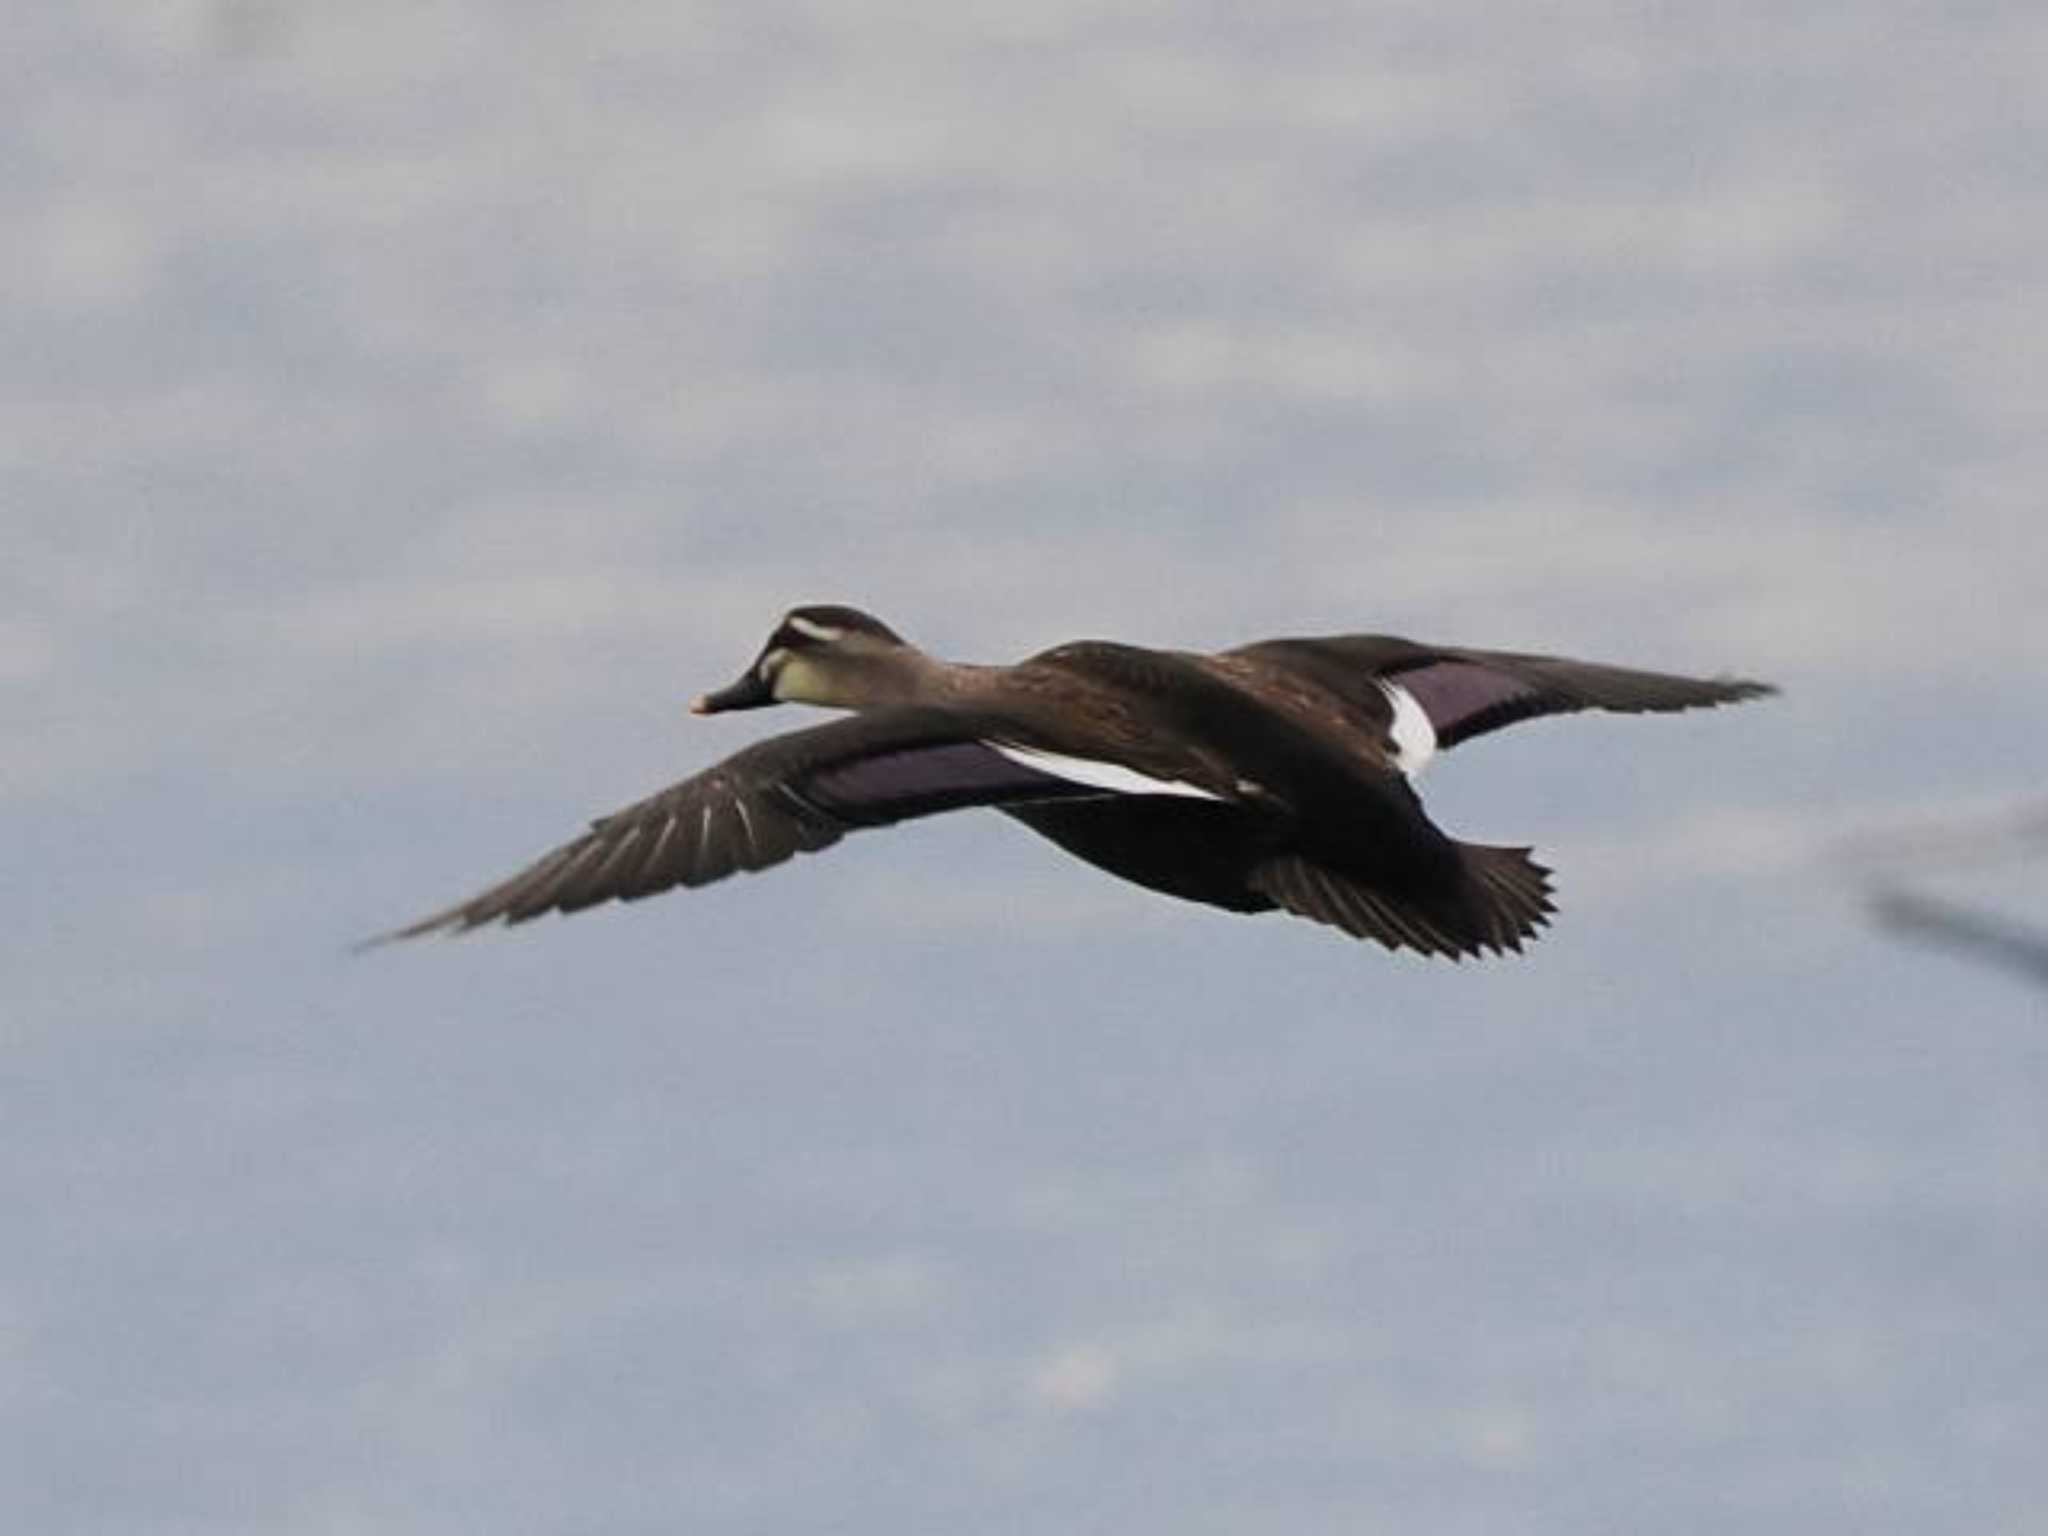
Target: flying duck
1276 775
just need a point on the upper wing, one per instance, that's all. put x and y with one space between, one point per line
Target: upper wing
787 795
1466 693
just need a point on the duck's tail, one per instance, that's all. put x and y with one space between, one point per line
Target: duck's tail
1502 897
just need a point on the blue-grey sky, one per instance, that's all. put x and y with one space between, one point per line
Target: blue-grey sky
404 408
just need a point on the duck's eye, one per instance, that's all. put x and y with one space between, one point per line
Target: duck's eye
811 629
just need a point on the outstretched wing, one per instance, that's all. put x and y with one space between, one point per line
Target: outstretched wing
1465 693
766 803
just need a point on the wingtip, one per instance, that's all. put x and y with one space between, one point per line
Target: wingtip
445 924
386 940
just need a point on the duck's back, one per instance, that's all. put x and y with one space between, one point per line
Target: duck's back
1345 802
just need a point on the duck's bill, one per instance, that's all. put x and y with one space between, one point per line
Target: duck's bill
749 692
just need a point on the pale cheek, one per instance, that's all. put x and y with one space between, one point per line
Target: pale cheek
798 682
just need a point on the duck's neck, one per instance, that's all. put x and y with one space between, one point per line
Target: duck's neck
879 678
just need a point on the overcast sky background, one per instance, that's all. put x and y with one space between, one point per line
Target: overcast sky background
404 408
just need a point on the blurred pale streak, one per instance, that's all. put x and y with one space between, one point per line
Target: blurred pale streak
1981 935
1921 842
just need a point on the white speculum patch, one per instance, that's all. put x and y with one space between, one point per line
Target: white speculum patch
1413 736
1098 775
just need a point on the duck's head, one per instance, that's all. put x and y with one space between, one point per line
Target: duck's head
819 654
